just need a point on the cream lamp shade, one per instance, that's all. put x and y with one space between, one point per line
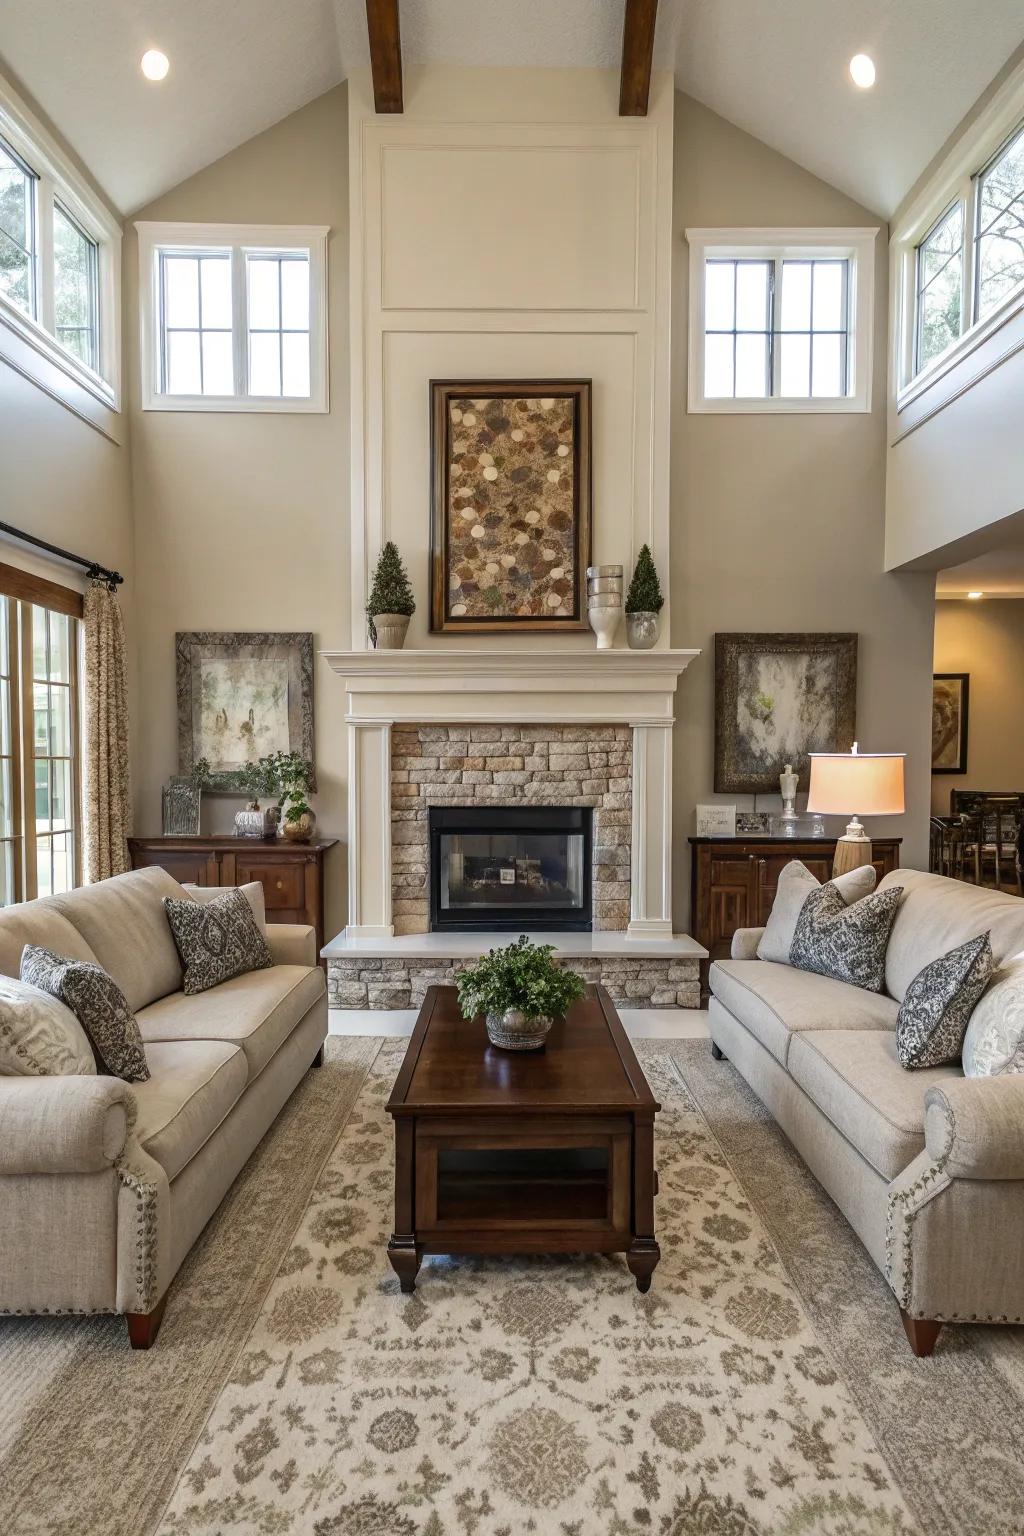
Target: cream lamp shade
856 784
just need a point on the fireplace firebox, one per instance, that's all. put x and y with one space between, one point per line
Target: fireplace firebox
510 867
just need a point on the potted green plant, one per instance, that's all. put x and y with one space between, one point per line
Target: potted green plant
294 779
259 779
520 990
390 604
644 602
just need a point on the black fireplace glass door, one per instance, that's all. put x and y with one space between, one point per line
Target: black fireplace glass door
509 869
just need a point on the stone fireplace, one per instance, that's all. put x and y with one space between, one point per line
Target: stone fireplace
540 734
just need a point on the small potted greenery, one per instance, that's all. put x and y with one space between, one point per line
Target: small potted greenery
259 779
294 780
519 990
390 604
644 602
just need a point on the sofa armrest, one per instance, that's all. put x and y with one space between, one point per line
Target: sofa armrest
292 943
745 942
63 1124
974 1127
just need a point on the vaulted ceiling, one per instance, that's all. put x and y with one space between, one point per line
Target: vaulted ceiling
774 67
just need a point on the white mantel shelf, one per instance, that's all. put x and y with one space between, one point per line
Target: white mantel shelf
449 684
446 685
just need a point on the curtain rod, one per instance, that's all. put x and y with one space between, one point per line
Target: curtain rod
92 568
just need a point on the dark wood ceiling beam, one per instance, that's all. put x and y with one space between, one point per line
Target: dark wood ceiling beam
385 54
637 56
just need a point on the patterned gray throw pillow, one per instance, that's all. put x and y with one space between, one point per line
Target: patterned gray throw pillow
937 1008
98 1004
846 943
216 940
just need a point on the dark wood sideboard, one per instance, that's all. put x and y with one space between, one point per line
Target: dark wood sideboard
291 874
733 880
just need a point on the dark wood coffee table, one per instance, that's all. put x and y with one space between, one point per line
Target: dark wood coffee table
548 1151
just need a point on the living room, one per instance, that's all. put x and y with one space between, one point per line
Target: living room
495 471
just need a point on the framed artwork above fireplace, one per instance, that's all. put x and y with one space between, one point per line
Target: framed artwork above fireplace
511 505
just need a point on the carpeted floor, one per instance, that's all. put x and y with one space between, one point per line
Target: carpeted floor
762 1388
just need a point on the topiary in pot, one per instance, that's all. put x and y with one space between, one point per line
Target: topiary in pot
643 604
391 603
519 989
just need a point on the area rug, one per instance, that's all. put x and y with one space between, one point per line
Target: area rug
94 1436
508 1397
761 1388
951 1427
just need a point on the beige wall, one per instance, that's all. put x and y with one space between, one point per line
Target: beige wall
242 520
986 640
778 521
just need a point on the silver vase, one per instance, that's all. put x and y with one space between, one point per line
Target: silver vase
516 1031
642 630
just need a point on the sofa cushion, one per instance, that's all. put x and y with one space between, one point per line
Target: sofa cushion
38 923
855 1078
98 1004
846 943
124 923
217 940
796 883
776 1002
934 1015
192 1086
936 914
256 1012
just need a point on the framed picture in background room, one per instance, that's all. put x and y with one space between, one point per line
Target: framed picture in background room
950 701
510 505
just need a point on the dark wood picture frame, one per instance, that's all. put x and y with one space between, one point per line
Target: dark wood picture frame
963 717
442 391
733 774
295 647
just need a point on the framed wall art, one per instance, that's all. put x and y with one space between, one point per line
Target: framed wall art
510 505
778 698
950 702
242 696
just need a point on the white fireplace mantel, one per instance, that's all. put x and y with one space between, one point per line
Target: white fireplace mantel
449 686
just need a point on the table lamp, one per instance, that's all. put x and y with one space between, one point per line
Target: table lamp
851 784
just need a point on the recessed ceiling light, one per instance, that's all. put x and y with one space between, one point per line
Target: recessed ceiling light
975 595
862 71
154 64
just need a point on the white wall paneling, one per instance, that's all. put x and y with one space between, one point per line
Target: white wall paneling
483 245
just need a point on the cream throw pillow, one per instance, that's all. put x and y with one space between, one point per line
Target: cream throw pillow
796 883
994 1042
39 1036
253 893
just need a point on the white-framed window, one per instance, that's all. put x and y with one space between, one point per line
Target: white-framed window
60 266
233 317
780 319
958 251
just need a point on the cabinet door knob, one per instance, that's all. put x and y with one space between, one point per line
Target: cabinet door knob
280 885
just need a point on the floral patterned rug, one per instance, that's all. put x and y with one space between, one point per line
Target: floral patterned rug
533 1396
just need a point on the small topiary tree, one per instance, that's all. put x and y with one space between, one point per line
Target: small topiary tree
644 595
391 592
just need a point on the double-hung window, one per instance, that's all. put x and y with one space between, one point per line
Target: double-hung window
958 253
233 318
780 320
40 797
59 266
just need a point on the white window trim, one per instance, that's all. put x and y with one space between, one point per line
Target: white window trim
25 343
857 245
154 238
952 180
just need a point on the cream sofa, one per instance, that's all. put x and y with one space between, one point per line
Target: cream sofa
105 1185
928 1166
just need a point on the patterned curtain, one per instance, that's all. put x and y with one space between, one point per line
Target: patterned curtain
107 782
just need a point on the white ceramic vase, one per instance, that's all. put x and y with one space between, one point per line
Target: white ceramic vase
604 621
